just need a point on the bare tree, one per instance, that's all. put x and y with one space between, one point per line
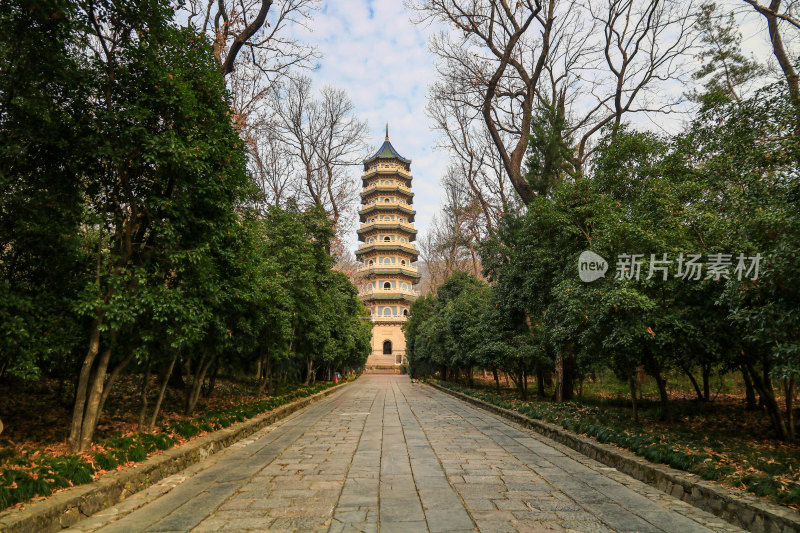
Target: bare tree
601 58
252 41
449 243
492 61
271 166
643 43
474 163
325 141
775 15
255 29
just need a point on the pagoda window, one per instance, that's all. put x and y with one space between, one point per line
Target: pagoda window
387 285
387 347
387 239
405 312
371 262
387 311
402 261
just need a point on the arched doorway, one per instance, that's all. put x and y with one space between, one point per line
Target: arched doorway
387 347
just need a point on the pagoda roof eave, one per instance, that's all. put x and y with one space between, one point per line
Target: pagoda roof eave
387 151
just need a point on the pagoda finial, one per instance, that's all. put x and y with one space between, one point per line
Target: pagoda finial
387 131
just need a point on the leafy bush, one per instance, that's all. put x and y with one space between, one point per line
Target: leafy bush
105 461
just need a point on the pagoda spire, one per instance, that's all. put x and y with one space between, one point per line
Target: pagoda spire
387 132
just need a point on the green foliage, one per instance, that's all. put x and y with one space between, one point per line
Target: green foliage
550 156
728 184
725 68
127 213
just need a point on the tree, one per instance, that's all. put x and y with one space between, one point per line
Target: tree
743 161
498 61
165 172
258 27
324 139
725 68
44 126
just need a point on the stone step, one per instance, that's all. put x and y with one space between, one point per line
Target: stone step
382 370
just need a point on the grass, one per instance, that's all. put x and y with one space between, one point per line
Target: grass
31 472
718 442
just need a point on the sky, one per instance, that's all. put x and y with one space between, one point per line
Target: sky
371 49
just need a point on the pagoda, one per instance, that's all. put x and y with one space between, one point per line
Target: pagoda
387 275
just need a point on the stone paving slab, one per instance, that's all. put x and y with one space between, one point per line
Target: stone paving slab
389 455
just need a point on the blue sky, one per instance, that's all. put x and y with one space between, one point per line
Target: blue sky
372 50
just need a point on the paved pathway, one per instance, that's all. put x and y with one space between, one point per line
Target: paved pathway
388 455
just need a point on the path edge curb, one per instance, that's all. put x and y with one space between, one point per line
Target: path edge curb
740 509
66 508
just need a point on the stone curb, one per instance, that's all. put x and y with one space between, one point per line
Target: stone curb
70 506
739 508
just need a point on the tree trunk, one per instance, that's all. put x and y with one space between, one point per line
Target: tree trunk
143 396
269 375
749 391
634 405
519 377
788 389
197 383
496 379
309 370
767 398
666 413
559 392
176 378
92 409
694 383
706 382
161 391
109 384
525 382
570 368
82 386
565 376
212 381
261 376
540 392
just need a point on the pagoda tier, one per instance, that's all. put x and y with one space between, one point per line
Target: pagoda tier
387 274
382 229
387 207
375 190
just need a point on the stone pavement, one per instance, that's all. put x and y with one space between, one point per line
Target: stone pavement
388 455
